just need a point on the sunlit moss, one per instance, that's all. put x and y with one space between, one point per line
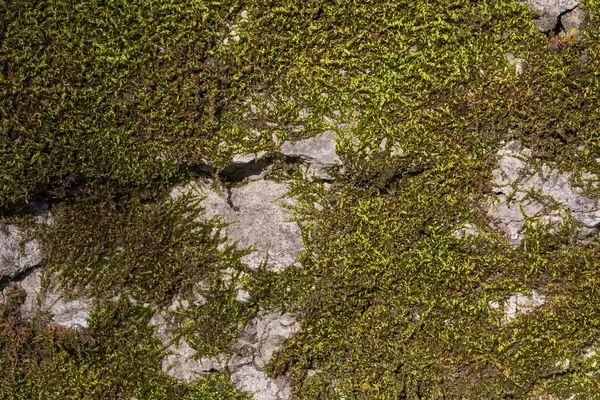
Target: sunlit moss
117 357
392 305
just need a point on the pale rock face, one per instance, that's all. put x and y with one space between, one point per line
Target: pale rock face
272 332
259 219
519 304
547 12
467 230
252 351
14 257
554 198
262 387
240 159
396 150
517 62
261 339
181 365
71 314
318 152
571 22
263 222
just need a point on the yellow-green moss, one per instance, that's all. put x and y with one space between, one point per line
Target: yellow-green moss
117 358
126 98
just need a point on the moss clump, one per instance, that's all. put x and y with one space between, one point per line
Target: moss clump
117 358
391 304
155 253
122 93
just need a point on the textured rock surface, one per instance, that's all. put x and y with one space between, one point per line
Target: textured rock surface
547 12
259 219
263 222
519 304
318 152
252 351
571 21
69 314
181 363
272 332
240 159
16 257
466 231
544 194
262 387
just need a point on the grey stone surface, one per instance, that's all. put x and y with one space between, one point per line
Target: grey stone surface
547 12
17 254
519 304
465 231
259 219
272 332
246 360
181 363
262 387
318 152
262 221
69 314
542 193
571 22
517 62
240 159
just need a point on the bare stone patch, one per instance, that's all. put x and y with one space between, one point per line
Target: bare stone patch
547 13
246 360
17 254
467 230
545 195
318 152
519 304
70 314
259 217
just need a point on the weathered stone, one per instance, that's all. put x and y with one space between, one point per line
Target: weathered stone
396 150
182 365
383 144
261 339
181 362
467 230
517 62
69 314
17 254
318 152
519 304
262 387
571 21
548 12
240 159
247 357
259 219
272 332
262 221
543 193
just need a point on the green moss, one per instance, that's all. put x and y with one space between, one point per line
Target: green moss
117 358
391 305
123 97
154 253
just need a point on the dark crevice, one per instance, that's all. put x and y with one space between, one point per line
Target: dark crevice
7 280
237 173
230 202
558 28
